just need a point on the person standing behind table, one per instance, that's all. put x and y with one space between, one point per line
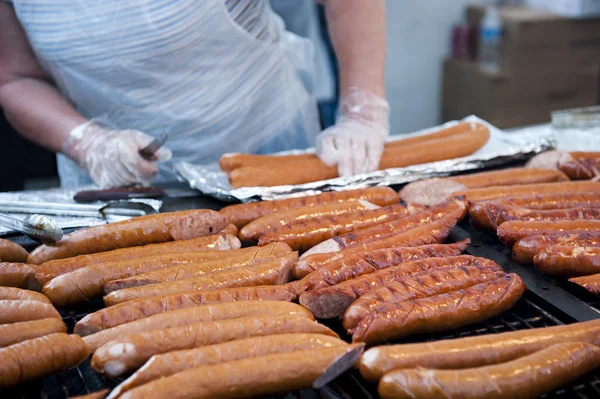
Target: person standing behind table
94 81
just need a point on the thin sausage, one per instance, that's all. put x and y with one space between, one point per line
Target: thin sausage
14 333
255 377
582 169
130 352
21 295
333 301
565 261
11 252
160 366
440 312
137 231
141 308
590 283
242 214
423 285
527 377
20 275
187 316
16 311
275 272
550 201
511 232
35 358
526 248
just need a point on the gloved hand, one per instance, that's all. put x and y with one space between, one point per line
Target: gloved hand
111 157
355 143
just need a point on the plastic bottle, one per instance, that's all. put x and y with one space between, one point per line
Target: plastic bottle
490 41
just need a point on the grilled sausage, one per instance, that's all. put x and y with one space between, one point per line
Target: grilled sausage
275 272
94 395
242 214
581 169
566 261
11 252
187 316
137 231
18 294
14 311
35 358
436 190
255 377
590 282
20 275
160 366
527 377
141 308
440 312
128 353
550 201
526 248
14 333
256 228
474 351
511 232
333 301
423 285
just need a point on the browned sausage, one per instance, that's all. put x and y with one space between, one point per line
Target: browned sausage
526 248
435 190
255 377
20 275
141 308
19 294
511 232
35 358
160 366
590 282
333 301
527 377
440 312
550 201
275 272
189 270
15 311
187 316
229 229
137 231
14 333
566 261
94 395
130 352
411 287
11 252
242 214
305 235
255 229
582 169
473 351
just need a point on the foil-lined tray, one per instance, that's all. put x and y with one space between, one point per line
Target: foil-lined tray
502 148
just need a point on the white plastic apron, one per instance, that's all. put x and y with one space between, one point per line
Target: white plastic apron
182 67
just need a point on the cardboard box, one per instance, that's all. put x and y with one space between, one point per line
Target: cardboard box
568 8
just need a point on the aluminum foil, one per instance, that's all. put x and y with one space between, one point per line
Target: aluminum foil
502 148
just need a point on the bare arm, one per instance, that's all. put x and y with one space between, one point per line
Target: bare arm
31 104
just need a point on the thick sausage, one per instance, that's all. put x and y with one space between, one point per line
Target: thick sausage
582 169
255 229
275 272
130 352
190 270
141 308
333 301
14 333
590 283
473 351
35 358
14 311
303 236
511 232
435 190
86 283
137 231
242 214
489 215
456 209
229 229
11 252
20 295
187 316
20 275
526 248
527 377
550 201
428 284
160 366
566 261
255 377
440 312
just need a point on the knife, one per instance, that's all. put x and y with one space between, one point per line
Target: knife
148 152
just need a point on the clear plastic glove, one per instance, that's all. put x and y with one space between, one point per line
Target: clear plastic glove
111 156
355 143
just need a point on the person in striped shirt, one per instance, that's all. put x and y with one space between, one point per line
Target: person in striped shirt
94 81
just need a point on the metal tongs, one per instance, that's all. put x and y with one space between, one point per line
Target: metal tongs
37 227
